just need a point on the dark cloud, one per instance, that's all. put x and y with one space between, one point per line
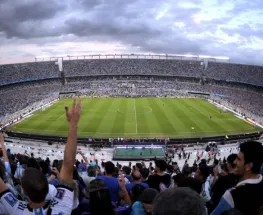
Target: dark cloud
138 25
22 18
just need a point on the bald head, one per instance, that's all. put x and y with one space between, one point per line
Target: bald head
136 175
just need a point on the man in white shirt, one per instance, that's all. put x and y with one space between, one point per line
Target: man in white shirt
91 171
35 185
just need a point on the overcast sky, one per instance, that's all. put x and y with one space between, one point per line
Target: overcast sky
232 28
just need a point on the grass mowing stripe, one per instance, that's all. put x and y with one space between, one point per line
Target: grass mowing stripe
142 119
182 111
164 123
216 118
107 116
118 122
135 115
88 115
172 107
151 121
114 117
46 120
98 116
203 119
230 121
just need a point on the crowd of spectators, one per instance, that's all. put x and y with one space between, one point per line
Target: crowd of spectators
12 73
214 70
232 185
23 97
132 67
235 72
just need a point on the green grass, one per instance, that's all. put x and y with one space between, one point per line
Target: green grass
142 117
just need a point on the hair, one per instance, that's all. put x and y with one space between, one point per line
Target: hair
170 168
126 170
32 162
34 184
91 171
177 178
109 167
216 162
194 168
161 164
136 175
44 167
100 201
230 159
187 170
224 167
138 165
253 153
148 195
192 183
136 191
144 172
203 162
22 159
77 177
115 174
55 163
2 169
181 201
205 171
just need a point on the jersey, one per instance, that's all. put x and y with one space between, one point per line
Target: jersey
61 204
247 197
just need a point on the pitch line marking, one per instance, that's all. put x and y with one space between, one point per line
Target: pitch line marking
134 102
149 110
176 133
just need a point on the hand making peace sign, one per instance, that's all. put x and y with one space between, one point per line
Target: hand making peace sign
73 114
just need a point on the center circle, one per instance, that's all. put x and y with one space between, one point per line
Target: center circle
137 110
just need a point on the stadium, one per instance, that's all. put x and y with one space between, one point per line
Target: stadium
137 97
134 107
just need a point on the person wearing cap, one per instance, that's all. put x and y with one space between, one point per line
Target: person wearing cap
144 205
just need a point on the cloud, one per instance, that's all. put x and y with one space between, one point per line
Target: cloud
221 28
24 19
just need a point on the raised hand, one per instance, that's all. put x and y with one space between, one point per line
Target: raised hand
55 170
1 137
121 180
73 114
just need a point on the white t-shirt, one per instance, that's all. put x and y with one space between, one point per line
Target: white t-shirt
87 179
62 203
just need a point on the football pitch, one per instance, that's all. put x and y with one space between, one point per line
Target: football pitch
137 117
